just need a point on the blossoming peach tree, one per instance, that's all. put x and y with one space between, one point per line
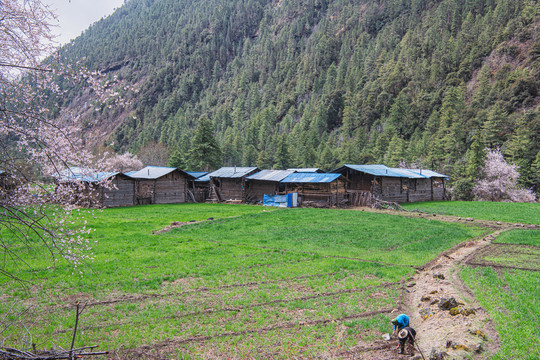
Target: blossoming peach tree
37 147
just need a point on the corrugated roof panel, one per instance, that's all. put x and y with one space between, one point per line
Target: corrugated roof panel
232 172
376 170
428 173
204 178
85 175
197 174
310 178
305 170
270 175
382 170
408 173
152 172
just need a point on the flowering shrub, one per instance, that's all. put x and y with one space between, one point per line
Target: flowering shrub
499 181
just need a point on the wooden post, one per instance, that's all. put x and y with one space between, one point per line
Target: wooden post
74 331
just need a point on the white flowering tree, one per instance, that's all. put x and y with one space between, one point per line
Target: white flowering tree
123 163
499 181
36 216
34 146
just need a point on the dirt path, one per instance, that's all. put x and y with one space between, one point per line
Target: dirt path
470 336
440 334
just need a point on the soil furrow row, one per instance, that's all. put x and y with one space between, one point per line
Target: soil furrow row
202 289
287 325
280 301
498 266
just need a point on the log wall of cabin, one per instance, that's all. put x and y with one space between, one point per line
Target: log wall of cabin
360 181
419 190
170 189
144 190
122 195
438 189
231 189
393 189
256 189
403 190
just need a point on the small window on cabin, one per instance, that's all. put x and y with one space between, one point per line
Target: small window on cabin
377 181
437 183
404 185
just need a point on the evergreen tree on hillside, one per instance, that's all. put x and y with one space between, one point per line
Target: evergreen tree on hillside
205 154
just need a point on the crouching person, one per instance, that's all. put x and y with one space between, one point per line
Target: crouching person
406 337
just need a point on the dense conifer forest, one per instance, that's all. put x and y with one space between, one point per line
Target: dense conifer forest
304 83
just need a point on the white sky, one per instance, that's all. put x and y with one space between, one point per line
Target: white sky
74 16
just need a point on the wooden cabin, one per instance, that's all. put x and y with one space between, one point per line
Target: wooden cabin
98 189
316 189
369 182
161 185
228 183
265 182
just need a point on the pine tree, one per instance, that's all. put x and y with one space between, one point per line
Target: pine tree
475 157
327 159
176 159
396 152
494 132
250 156
205 153
283 157
264 160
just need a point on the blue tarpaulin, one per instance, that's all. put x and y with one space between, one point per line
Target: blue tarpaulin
288 200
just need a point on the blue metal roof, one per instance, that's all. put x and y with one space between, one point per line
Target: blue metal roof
408 173
270 175
382 170
232 172
310 178
204 178
375 170
85 175
428 173
197 174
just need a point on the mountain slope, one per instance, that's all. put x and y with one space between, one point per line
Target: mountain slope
322 82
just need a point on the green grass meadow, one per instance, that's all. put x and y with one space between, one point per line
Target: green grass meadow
526 213
511 296
252 282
